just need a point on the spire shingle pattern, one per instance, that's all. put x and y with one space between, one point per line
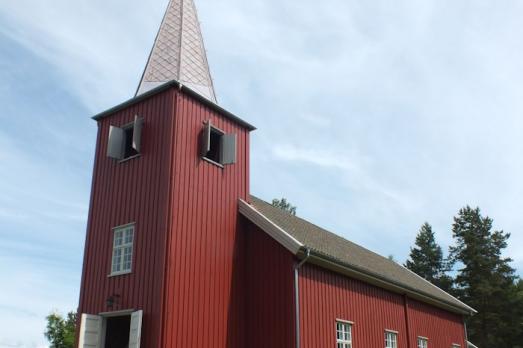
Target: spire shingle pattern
179 53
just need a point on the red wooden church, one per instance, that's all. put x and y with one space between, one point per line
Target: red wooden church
179 254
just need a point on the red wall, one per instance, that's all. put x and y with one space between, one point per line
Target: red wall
204 276
326 296
442 328
270 292
132 191
184 277
201 303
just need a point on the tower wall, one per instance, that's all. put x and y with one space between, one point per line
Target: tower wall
185 276
202 297
136 191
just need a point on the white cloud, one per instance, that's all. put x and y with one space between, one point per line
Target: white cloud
373 116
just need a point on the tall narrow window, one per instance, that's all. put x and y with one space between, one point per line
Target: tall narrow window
391 339
122 250
423 342
343 334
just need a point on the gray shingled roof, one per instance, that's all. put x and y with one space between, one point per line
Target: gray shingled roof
347 253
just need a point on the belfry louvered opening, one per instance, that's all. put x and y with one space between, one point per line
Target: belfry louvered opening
125 142
216 146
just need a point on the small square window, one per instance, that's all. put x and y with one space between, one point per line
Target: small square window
343 334
423 342
391 339
216 146
129 150
125 142
122 250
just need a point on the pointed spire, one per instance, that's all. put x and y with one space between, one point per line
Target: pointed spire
178 52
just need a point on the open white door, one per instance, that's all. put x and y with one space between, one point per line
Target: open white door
135 333
90 331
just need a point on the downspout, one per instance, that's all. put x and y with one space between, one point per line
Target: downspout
297 295
466 333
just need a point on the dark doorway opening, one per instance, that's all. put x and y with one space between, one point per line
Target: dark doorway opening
117 332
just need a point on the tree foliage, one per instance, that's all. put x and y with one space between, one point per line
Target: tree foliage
284 205
485 280
426 259
60 331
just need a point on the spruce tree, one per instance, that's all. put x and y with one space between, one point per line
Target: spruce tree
518 313
426 259
484 280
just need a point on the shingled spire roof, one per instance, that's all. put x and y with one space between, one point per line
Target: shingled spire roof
178 52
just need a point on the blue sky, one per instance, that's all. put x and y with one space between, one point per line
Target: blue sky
373 117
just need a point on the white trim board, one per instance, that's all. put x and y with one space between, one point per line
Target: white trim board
273 230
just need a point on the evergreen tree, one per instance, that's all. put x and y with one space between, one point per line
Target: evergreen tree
284 205
518 317
513 315
426 259
485 280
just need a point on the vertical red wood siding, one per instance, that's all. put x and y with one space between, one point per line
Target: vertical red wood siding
326 296
442 328
203 275
200 305
270 292
131 191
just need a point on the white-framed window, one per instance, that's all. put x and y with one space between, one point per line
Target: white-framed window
343 334
423 342
455 345
122 249
391 339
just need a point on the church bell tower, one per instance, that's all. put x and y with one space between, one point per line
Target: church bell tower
163 231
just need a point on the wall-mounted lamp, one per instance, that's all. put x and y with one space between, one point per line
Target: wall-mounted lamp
111 300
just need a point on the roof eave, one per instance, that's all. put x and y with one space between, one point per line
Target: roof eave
183 88
269 227
325 261
337 266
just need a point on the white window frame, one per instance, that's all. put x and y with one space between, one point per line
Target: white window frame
423 342
455 345
345 341
391 339
120 250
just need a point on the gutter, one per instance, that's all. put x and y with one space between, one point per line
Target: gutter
331 263
335 265
297 295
